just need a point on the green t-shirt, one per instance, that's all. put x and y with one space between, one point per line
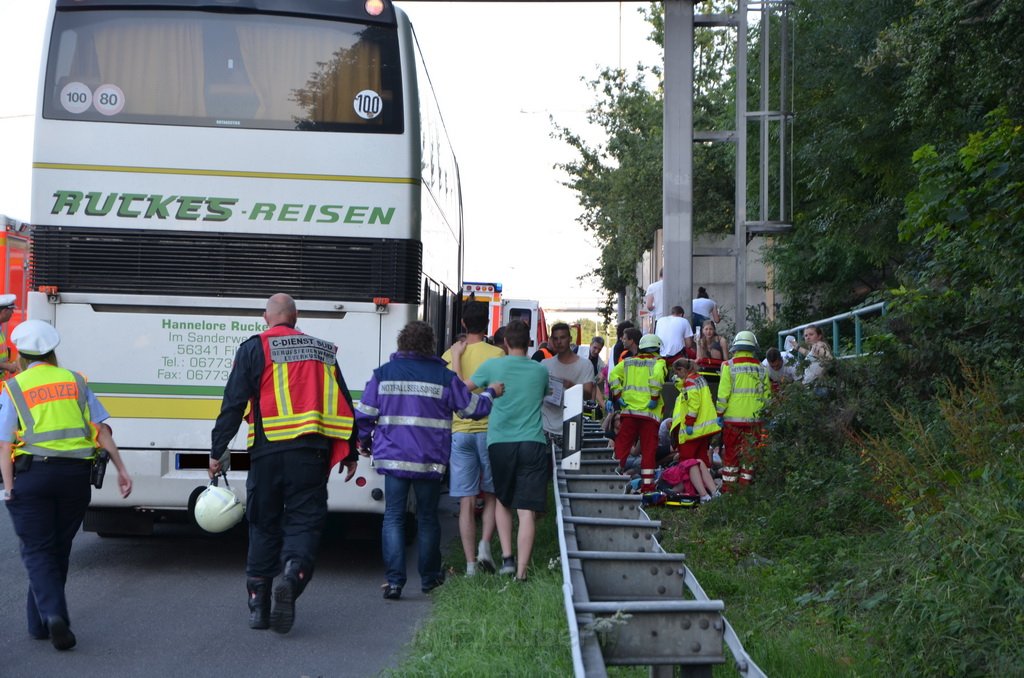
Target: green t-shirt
474 356
515 416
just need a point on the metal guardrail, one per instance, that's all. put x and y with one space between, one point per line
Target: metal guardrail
628 602
855 315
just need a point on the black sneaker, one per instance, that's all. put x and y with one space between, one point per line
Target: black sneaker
60 635
508 566
427 588
392 592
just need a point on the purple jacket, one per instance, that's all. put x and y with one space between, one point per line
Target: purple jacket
407 406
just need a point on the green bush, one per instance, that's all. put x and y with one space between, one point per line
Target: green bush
957 585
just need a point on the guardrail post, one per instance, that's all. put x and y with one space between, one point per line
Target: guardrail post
572 420
628 602
856 333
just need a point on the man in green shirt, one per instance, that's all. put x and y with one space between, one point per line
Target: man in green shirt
520 460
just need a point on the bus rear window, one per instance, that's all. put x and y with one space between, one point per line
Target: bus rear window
223 70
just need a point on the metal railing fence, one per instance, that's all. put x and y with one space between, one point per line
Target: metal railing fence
834 322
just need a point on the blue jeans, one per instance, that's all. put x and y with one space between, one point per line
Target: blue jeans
428 538
469 470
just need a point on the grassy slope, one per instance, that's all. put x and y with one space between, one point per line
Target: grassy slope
490 625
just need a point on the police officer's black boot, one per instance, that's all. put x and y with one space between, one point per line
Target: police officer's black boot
292 583
259 601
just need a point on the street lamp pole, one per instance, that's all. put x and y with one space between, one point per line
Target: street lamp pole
677 187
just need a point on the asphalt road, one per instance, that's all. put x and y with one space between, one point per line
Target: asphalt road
174 604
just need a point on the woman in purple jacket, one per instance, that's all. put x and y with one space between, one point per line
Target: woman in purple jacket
405 417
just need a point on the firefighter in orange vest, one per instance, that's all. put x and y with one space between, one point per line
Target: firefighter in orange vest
300 413
542 353
743 391
8 303
50 429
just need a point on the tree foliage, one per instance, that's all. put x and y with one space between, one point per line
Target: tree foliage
851 159
959 60
964 277
874 82
619 182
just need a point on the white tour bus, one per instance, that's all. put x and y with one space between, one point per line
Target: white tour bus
193 157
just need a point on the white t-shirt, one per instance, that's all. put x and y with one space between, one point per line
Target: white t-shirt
673 331
579 372
703 306
655 289
787 373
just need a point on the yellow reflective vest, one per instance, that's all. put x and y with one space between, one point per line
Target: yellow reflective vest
743 390
53 413
695 408
638 381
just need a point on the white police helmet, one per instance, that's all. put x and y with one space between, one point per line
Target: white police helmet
35 337
218 509
8 301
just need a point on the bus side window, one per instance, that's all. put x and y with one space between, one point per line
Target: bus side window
435 312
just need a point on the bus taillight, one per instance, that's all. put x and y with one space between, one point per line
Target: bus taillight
374 7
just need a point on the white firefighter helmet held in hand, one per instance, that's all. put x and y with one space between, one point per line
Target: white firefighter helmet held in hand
650 341
218 509
35 337
745 341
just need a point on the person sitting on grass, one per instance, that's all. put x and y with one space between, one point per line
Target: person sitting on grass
692 478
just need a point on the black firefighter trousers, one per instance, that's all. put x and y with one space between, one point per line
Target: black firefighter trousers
287 508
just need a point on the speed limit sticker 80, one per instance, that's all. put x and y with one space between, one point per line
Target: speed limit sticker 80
108 99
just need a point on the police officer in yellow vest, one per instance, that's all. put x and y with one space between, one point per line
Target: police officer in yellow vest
51 425
8 303
300 416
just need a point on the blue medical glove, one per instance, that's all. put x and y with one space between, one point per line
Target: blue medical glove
652 404
620 403
721 421
689 430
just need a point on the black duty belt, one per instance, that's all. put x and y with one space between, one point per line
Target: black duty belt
39 459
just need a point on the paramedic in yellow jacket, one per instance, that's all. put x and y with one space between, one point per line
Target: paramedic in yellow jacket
635 385
694 420
51 425
743 391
